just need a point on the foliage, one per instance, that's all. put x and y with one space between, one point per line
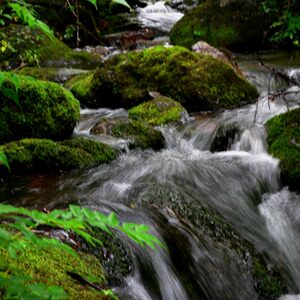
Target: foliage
286 26
16 235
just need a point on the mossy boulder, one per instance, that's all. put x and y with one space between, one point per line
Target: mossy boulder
42 110
159 111
237 26
42 155
50 266
198 82
284 143
213 231
33 47
140 135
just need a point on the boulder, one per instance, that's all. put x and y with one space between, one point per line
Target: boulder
204 48
159 111
198 82
284 143
43 110
140 135
42 155
238 25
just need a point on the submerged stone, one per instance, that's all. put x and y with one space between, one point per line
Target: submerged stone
159 111
284 143
42 110
140 135
41 155
198 82
212 230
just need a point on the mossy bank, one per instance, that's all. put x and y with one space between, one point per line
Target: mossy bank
198 82
40 110
284 143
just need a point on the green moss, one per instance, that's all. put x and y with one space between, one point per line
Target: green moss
80 86
49 266
46 110
267 281
32 47
218 26
198 82
140 134
284 143
159 111
214 230
43 155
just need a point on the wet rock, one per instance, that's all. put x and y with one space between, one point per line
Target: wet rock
224 138
159 111
245 29
42 155
137 133
128 39
114 255
213 231
204 48
198 82
284 143
43 110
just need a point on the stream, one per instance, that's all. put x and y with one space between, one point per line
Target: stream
240 184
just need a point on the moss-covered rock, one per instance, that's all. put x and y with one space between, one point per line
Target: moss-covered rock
43 155
140 135
32 47
42 110
284 143
214 231
220 27
50 266
198 82
159 111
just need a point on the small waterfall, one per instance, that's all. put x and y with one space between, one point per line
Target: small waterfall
158 16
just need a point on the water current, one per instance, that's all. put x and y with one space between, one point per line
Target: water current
241 184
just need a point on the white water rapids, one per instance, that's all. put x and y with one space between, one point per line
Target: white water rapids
241 184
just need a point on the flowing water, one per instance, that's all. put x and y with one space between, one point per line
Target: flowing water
240 184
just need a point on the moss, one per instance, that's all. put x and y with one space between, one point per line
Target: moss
140 135
159 111
32 47
213 229
198 82
47 74
44 155
267 281
218 26
49 266
284 143
45 110
80 86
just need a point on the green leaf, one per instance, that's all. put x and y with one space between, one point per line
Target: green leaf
122 2
3 160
